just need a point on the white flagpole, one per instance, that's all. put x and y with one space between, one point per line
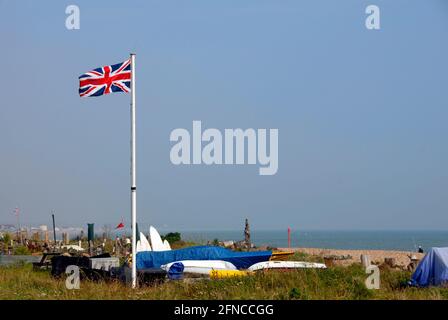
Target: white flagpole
133 176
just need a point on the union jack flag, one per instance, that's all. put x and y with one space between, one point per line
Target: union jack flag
114 78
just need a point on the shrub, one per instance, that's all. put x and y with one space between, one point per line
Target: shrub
360 291
6 238
21 251
172 237
295 293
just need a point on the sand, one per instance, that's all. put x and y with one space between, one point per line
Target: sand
376 256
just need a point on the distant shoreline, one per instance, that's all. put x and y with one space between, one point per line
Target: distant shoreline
343 240
402 258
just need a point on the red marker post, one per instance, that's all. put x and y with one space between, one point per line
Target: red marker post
289 237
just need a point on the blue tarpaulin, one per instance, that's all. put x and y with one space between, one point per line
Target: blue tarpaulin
176 270
433 269
241 260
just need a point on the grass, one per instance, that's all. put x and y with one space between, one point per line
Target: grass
21 282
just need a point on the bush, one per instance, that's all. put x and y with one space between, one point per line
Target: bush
6 238
172 237
295 293
21 251
360 291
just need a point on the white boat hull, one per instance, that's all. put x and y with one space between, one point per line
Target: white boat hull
286 265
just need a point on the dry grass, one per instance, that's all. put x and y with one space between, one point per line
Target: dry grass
20 282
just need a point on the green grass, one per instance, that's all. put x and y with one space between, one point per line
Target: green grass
21 251
20 282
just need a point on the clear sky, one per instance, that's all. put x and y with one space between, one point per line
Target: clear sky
362 115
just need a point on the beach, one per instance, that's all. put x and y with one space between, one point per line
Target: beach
354 256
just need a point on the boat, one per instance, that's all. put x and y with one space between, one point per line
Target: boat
265 265
139 247
72 247
167 245
144 242
201 266
220 274
156 240
281 255
241 260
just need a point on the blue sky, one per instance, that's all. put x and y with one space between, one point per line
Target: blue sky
361 114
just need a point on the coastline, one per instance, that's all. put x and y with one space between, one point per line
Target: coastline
402 258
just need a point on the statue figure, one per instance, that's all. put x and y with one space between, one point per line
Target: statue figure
247 233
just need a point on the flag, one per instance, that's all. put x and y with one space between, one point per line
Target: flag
114 78
120 225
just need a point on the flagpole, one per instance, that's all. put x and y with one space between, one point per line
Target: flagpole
133 176
19 234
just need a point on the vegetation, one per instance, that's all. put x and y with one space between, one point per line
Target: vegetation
176 242
20 282
182 244
6 238
172 237
21 250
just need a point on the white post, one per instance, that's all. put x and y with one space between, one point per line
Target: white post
133 176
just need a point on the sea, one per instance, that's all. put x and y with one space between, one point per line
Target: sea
374 240
367 240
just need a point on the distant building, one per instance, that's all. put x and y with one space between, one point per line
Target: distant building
7 228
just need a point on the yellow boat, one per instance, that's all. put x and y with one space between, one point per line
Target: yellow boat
280 255
221 274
